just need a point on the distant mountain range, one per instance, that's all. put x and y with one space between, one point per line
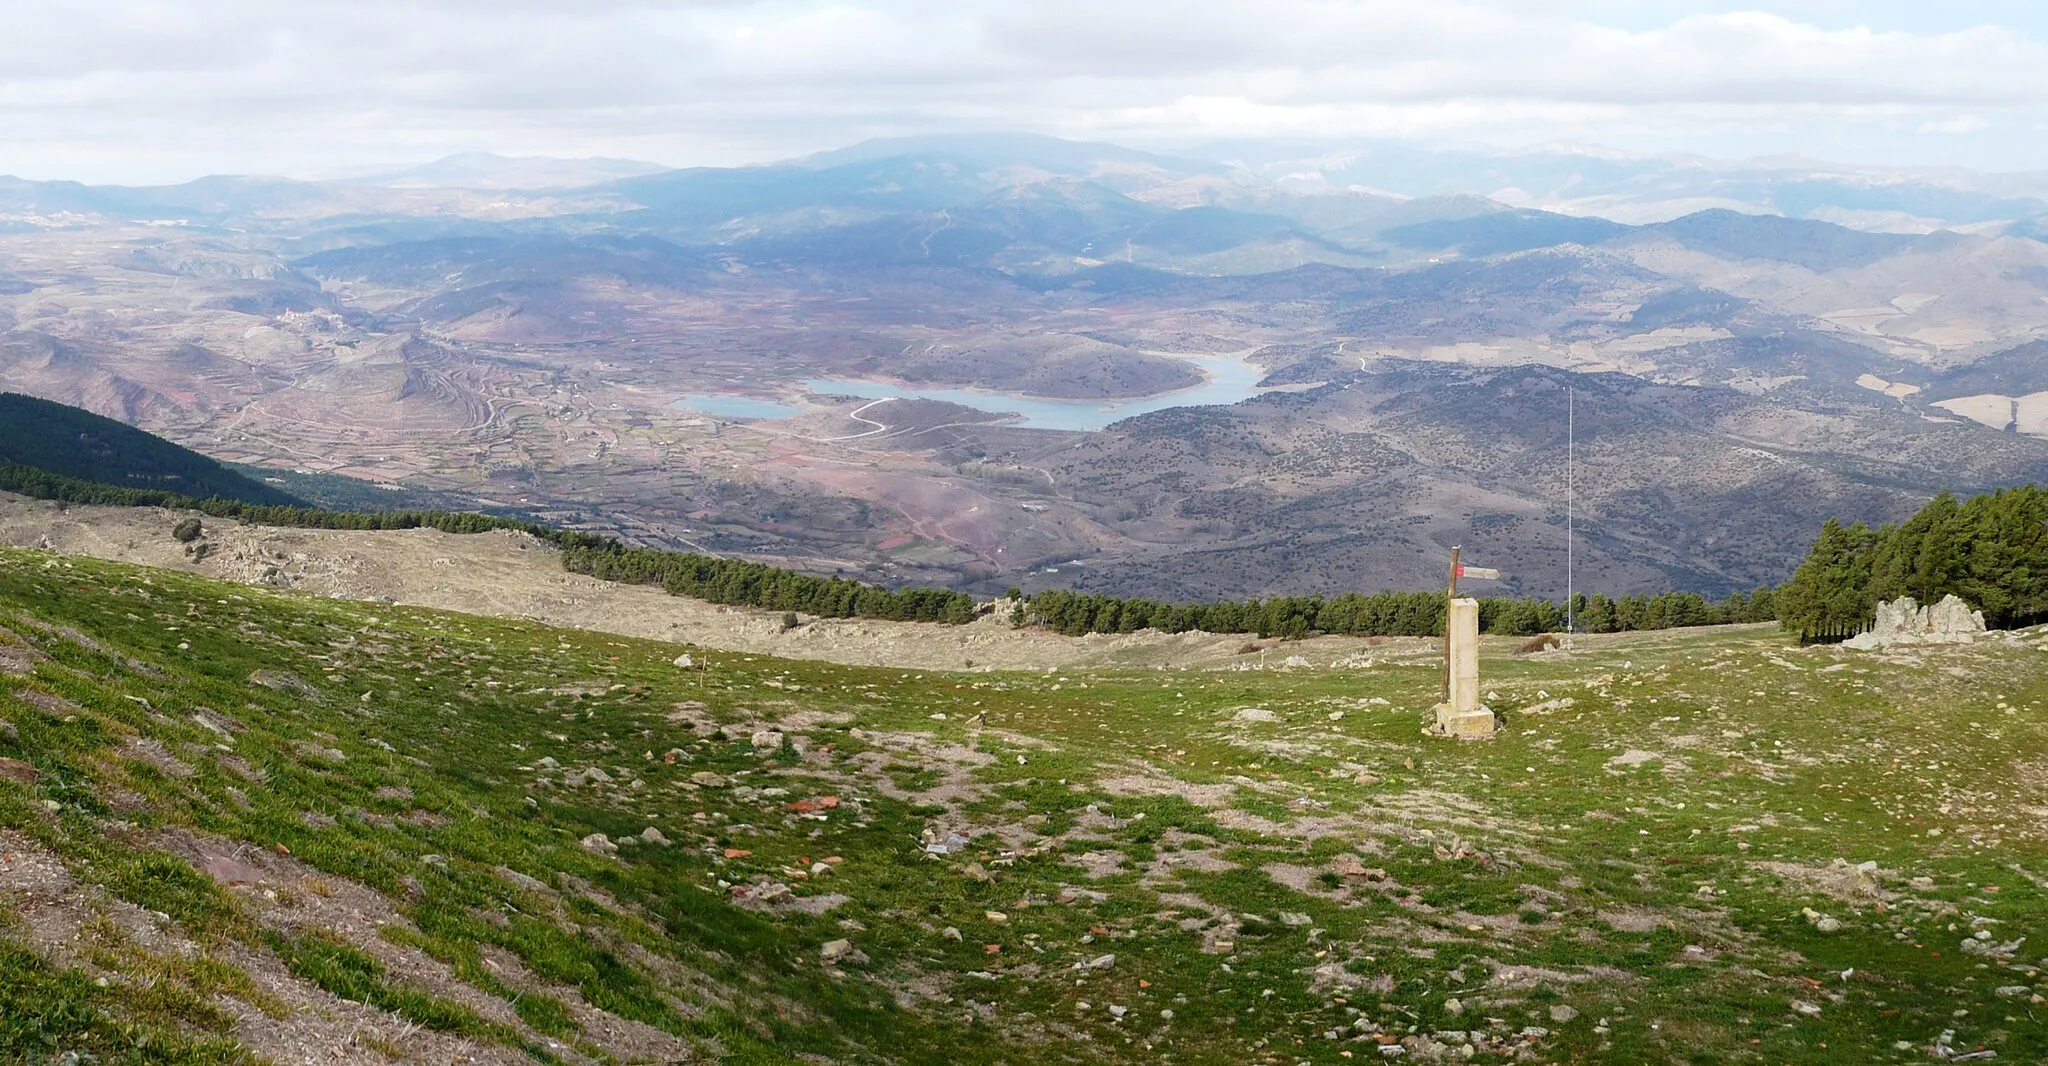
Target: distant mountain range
1322 186
692 357
486 170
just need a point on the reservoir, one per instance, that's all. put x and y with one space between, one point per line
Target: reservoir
1230 380
733 405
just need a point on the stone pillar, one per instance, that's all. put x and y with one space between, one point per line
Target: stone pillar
1463 716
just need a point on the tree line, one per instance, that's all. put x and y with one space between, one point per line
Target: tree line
70 442
1991 551
1383 614
727 581
735 581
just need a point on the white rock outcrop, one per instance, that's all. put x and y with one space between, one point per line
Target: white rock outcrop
1904 621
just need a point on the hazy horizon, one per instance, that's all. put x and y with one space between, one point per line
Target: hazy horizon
134 94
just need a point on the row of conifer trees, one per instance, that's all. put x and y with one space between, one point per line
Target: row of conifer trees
1991 550
729 581
1384 614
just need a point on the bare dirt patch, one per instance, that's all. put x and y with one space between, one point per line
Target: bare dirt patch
510 575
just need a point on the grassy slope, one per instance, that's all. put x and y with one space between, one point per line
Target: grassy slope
1534 872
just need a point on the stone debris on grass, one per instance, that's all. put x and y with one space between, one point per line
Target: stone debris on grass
950 844
837 952
520 880
319 753
1822 922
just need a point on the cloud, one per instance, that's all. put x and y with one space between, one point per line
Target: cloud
159 89
1958 124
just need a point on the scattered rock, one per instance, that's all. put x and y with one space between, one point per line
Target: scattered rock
520 880
949 844
768 895
600 844
767 740
283 681
835 952
1563 1013
312 752
1099 962
652 835
1254 714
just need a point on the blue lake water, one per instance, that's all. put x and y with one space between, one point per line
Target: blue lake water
731 405
1230 380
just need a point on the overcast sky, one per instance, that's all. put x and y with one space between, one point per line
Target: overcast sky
164 90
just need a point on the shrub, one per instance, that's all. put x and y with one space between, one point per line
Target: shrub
187 531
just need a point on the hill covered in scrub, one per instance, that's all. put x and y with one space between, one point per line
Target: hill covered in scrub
74 443
239 824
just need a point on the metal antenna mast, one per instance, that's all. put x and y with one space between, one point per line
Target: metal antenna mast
1571 434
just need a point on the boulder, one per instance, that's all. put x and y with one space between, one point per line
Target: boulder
1904 622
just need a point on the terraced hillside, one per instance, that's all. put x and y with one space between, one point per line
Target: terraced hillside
240 824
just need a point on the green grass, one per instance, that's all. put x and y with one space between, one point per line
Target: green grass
1642 856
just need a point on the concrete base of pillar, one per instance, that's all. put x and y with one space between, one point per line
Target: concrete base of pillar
1465 725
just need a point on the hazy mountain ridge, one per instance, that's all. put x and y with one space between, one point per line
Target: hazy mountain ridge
553 353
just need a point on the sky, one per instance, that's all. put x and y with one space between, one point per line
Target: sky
150 91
